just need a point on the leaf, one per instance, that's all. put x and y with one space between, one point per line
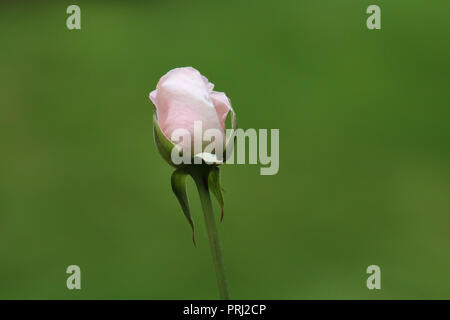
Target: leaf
178 181
214 186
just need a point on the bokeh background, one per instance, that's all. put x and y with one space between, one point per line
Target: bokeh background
364 149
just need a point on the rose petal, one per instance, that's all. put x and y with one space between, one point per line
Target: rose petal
183 96
222 105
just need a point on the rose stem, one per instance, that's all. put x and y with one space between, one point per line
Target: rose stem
201 180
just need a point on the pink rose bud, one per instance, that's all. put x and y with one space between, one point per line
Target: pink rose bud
183 97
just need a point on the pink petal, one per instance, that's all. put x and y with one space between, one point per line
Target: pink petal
182 96
222 105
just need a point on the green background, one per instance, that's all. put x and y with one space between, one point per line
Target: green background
364 149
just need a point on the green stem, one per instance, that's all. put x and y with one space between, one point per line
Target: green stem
201 180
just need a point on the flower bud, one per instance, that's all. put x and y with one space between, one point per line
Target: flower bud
183 98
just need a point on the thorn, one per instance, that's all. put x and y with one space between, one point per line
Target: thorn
221 214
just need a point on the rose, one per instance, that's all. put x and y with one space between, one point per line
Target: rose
182 97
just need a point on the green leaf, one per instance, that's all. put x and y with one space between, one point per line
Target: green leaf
179 189
214 186
163 144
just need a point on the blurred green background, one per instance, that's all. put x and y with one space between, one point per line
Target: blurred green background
364 149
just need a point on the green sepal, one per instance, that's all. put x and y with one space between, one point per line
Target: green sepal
179 188
214 186
230 140
163 144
